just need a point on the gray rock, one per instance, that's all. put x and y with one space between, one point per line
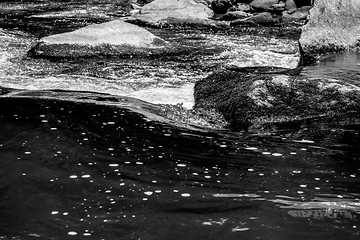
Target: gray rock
251 100
278 7
290 4
263 5
234 15
299 14
333 27
165 12
110 38
261 19
240 7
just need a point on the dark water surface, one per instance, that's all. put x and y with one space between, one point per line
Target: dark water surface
71 168
75 169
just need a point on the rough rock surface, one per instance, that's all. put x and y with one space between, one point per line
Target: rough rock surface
250 100
163 12
110 38
334 26
263 4
290 4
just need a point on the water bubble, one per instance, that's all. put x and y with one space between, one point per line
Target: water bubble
251 148
185 194
237 229
113 165
181 165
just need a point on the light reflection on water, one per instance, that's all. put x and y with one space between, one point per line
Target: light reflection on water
110 173
71 170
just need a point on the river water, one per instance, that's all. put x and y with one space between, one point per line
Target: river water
83 165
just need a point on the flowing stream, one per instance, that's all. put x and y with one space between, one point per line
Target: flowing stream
79 164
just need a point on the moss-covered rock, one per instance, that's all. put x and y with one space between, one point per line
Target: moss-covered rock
249 100
334 26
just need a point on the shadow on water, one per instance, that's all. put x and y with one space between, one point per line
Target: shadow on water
110 169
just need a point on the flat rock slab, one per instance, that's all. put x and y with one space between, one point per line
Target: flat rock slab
164 12
334 26
110 38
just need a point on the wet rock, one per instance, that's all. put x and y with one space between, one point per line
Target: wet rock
333 27
261 19
249 100
263 5
111 38
290 4
167 12
229 16
298 14
240 7
278 7
221 6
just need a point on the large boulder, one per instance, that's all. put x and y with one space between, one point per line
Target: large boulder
249 99
168 12
333 26
110 38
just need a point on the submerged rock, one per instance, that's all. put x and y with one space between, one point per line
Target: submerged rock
333 26
168 12
250 100
110 38
262 19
